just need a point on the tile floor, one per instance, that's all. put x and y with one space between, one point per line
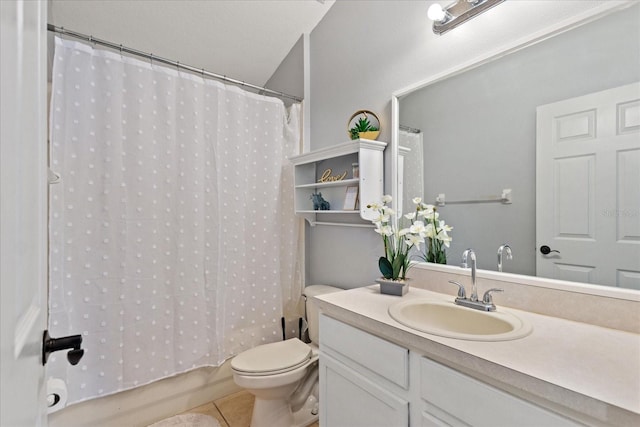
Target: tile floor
231 411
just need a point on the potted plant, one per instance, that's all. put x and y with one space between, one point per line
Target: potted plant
364 124
424 227
397 241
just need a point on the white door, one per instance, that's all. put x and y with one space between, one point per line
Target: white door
588 188
23 218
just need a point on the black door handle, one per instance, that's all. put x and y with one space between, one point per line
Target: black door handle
546 250
73 342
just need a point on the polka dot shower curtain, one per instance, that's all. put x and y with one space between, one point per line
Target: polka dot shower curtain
173 240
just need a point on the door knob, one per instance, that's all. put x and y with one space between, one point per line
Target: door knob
72 342
546 250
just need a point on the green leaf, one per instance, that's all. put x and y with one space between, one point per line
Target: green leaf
385 268
362 125
398 263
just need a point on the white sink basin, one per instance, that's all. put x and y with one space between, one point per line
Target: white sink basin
449 320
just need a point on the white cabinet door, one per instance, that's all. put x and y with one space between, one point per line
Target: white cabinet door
588 188
348 399
23 226
462 400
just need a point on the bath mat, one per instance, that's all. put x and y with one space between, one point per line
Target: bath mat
188 420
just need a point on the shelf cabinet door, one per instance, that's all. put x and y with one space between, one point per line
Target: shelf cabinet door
348 399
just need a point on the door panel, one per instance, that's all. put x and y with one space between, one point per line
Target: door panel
574 198
588 188
628 185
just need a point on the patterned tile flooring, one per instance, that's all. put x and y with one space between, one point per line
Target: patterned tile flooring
231 411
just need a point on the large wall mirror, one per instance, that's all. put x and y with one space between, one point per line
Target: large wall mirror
475 133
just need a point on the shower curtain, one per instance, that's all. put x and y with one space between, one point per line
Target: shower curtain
413 180
173 239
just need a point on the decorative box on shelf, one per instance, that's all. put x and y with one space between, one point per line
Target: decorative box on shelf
329 172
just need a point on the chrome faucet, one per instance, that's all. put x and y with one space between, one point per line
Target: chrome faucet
503 248
472 302
487 299
470 254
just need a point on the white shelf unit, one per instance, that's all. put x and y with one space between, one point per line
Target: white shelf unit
309 168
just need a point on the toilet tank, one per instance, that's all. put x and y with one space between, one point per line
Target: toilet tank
312 309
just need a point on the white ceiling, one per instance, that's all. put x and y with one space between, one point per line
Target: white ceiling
242 39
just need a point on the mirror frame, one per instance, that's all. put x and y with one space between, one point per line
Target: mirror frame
524 42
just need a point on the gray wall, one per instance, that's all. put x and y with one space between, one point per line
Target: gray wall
362 52
480 129
289 76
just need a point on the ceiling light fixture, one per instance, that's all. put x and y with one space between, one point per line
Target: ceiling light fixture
445 19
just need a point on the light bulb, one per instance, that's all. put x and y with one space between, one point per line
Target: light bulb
436 13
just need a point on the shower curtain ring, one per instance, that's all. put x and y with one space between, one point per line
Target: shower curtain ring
202 71
151 58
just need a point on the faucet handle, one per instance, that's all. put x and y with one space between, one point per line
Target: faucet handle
487 298
461 291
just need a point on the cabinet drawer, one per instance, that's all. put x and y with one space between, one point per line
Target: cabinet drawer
477 403
388 360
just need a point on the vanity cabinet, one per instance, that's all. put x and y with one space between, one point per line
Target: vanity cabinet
368 381
329 171
364 380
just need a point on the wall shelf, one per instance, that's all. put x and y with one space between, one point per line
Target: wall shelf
329 212
309 168
347 182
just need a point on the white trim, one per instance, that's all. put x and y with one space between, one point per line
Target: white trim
521 43
306 105
337 150
395 146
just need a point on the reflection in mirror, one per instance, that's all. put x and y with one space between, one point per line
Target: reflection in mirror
478 135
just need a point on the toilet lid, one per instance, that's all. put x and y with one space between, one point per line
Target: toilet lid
275 357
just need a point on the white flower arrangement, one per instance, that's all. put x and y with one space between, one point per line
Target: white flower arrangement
424 224
436 233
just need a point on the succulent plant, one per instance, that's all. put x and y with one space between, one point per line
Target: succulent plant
363 125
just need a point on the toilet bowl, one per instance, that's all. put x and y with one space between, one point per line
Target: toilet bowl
283 376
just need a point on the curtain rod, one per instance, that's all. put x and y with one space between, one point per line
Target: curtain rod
409 129
177 64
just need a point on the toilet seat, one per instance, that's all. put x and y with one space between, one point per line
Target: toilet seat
273 358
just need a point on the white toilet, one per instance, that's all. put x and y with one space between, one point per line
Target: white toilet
283 376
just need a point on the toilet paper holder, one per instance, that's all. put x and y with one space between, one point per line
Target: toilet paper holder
73 342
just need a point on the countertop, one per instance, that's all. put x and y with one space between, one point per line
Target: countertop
573 367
